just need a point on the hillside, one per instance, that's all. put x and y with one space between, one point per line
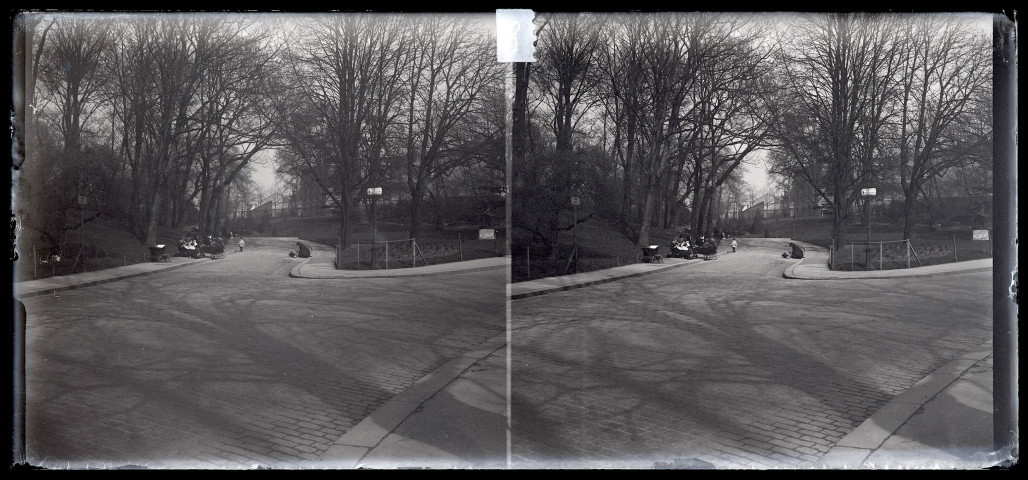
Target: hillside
104 241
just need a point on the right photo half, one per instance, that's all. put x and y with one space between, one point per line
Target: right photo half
755 241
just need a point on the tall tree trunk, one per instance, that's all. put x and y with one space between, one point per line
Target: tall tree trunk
416 201
626 188
909 212
154 218
649 203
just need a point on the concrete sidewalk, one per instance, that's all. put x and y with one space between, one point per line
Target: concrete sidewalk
814 266
44 286
543 286
310 269
943 422
454 417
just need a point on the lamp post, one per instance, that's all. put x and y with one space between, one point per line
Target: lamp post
82 221
868 193
374 193
575 202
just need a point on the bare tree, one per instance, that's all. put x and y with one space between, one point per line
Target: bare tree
450 64
727 123
619 64
231 115
836 72
563 71
945 64
337 96
71 73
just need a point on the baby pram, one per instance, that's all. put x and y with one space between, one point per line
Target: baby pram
708 250
214 247
649 255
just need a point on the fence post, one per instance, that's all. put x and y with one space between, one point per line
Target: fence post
35 263
460 246
413 254
907 242
881 255
358 255
955 247
387 254
851 256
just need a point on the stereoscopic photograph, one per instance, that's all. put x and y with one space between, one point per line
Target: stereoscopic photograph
514 240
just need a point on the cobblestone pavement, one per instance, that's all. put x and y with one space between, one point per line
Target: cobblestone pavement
232 364
724 363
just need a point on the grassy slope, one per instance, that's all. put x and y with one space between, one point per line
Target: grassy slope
600 246
105 243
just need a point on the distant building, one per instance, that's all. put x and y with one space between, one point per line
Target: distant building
755 211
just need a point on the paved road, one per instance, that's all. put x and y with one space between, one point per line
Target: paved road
232 364
725 363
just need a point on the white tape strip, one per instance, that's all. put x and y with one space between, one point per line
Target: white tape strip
515 35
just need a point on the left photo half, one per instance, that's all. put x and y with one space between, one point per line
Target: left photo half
259 241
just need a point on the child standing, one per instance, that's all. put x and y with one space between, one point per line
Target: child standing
735 245
242 243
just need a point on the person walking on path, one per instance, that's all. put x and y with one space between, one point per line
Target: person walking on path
242 243
735 245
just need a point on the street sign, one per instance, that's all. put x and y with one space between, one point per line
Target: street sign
868 192
979 234
486 234
374 191
576 201
82 199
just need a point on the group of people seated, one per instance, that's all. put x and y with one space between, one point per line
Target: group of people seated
681 248
189 246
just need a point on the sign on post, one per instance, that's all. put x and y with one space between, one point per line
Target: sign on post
979 234
486 234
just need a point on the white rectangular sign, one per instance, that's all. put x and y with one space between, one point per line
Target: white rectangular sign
979 234
486 234
515 35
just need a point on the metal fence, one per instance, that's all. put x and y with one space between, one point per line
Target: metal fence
882 255
380 254
74 259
